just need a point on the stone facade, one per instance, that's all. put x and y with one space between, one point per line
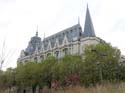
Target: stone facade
69 41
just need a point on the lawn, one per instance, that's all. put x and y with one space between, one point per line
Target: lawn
98 89
78 89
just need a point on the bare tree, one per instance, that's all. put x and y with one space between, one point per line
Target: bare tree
5 55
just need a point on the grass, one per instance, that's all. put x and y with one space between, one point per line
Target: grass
97 89
91 90
108 88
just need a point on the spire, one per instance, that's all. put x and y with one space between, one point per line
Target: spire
37 31
88 28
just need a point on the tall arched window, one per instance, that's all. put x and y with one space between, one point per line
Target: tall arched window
57 54
42 57
65 51
35 59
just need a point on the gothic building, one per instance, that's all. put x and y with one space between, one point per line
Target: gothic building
72 40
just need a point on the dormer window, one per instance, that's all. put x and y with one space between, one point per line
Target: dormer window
63 34
79 28
71 30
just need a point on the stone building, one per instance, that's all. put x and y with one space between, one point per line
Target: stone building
72 40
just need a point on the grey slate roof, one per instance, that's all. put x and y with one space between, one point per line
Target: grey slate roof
71 33
88 28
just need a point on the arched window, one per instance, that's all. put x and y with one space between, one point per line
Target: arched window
49 54
65 51
35 59
57 54
42 57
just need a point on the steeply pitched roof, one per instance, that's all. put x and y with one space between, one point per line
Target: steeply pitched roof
72 33
88 28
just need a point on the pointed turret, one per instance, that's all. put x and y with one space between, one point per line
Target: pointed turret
88 28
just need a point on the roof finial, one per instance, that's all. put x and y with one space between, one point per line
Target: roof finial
37 31
44 35
87 6
78 20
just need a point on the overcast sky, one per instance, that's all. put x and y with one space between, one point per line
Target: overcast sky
19 20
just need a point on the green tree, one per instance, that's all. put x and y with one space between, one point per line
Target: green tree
3 80
10 77
66 67
101 63
46 70
28 75
7 78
